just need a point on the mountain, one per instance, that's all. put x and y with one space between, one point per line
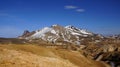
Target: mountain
57 33
115 36
105 49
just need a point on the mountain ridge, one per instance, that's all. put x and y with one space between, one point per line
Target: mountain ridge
57 33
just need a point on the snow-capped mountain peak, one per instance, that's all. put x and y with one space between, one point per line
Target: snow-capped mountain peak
54 25
57 33
70 26
75 29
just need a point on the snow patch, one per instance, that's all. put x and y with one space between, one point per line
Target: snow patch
42 32
73 33
54 25
77 42
54 32
84 32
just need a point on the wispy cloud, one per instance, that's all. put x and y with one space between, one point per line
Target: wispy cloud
76 8
80 10
70 7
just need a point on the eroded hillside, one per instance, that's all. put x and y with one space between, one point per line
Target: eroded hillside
37 56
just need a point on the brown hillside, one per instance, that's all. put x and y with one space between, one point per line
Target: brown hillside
36 56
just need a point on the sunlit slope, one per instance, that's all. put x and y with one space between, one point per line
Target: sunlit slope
36 56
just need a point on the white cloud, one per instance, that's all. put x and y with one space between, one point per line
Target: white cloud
76 8
80 10
70 7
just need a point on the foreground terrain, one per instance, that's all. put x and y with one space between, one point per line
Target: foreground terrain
13 55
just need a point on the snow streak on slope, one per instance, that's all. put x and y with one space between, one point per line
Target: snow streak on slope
77 30
41 33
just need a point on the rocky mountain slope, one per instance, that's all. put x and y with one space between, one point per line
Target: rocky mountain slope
57 33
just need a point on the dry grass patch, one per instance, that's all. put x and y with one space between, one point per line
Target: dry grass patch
13 58
32 55
42 51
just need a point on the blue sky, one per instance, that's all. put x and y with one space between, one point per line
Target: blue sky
98 16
